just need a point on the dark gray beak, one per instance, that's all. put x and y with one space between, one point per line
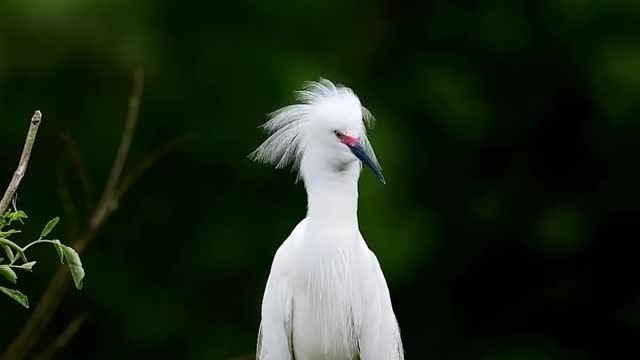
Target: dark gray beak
367 158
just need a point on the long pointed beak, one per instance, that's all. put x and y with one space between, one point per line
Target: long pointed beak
366 158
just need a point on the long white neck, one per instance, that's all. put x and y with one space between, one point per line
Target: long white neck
332 191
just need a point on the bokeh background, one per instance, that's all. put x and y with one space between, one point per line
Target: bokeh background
507 131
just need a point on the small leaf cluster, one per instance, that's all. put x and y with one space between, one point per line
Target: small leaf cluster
16 258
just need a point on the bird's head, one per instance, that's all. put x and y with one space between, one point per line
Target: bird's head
328 129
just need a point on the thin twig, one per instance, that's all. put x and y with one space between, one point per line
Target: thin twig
63 339
23 343
106 202
24 160
145 164
68 206
14 202
81 170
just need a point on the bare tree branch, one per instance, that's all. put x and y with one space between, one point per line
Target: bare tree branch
39 318
150 160
106 202
24 160
63 339
81 170
33 328
68 206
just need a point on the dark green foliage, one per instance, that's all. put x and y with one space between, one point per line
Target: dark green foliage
15 253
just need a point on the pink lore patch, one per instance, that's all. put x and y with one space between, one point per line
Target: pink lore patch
349 140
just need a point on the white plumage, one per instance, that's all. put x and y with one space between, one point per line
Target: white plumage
326 297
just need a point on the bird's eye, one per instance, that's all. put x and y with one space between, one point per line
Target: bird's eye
338 133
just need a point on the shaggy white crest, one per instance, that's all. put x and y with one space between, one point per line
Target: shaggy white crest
323 106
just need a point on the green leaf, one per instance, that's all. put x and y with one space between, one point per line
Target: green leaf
75 265
8 273
58 246
50 225
27 266
7 245
6 234
8 251
16 295
16 216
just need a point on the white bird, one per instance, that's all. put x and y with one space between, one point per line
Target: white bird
326 297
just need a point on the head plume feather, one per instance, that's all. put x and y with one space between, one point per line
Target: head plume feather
287 125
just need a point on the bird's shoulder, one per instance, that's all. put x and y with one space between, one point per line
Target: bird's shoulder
285 253
374 271
371 260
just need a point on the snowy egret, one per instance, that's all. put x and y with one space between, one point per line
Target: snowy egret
326 296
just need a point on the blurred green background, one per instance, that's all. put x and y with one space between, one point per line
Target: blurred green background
507 131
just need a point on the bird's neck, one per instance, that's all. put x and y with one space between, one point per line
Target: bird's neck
332 193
